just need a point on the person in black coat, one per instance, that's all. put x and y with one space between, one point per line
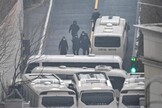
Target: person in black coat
76 45
63 46
85 43
74 28
94 17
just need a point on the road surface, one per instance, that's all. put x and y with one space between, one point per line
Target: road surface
63 12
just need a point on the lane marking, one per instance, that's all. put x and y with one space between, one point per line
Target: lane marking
45 27
96 4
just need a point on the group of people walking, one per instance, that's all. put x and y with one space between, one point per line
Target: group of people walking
77 42
81 42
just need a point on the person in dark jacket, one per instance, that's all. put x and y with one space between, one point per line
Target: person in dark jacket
63 46
85 43
74 28
76 45
94 17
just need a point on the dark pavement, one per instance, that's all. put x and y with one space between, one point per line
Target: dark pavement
65 11
62 15
34 18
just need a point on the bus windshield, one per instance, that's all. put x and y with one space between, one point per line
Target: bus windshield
131 100
57 101
97 98
107 41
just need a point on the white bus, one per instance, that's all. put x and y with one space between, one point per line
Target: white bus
117 76
63 72
89 61
94 90
132 93
110 36
44 90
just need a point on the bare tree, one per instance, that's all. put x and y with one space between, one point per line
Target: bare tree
12 55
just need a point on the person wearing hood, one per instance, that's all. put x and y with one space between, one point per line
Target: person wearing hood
85 43
74 28
63 46
76 45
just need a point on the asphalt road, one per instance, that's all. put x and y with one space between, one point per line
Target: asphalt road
62 15
63 12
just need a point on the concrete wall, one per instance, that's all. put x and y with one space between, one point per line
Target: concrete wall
5 7
153 62
154 97
151 14
10 32
153 45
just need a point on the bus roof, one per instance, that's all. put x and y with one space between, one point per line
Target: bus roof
92 81
89 61
60 70
111 72
72 70
106 25
45 82
133 85
75 58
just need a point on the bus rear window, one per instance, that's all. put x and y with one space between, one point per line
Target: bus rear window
107 41
57 101
131 100
65 76
97 98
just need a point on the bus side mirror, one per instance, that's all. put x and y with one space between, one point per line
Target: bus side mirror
71 86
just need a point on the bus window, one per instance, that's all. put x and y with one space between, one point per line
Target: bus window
117 82
97 98
80 64
31 66
131 100
107 41
65 76
57 101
